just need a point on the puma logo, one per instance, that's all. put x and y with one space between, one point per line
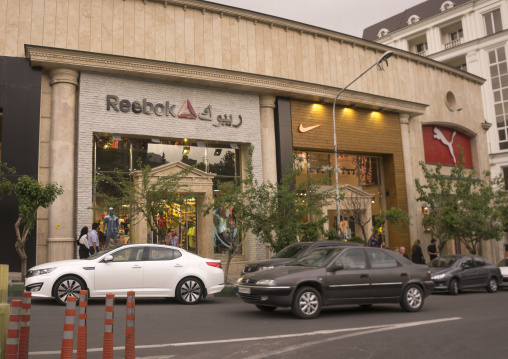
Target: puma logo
438 135
306 129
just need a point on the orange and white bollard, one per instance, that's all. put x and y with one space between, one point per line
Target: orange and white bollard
24 330
68 334
12 345
107 347
82 330
129 329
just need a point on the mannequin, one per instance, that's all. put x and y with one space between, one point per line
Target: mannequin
112 224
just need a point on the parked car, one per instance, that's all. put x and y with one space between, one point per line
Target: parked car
338 275
289 253
503 266
150 270
453 273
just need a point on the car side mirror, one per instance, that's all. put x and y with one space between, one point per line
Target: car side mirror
335 267
108 258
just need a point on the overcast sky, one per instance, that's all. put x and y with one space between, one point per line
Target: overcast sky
345 16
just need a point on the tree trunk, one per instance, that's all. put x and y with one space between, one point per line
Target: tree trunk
20 247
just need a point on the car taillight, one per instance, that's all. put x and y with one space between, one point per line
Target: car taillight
214 264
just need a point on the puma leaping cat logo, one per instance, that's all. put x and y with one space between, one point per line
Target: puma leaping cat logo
438 135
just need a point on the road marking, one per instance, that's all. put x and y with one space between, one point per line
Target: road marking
363 330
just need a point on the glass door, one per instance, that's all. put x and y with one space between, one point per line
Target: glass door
188 226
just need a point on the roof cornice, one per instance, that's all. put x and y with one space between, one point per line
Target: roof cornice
51 58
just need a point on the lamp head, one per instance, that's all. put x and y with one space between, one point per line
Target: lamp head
384 58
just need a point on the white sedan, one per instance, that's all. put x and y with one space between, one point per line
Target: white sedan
503 266
150 270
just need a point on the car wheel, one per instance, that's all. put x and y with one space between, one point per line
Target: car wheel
412 300
492 286
67 286
189 291
454 287
306 303
265 308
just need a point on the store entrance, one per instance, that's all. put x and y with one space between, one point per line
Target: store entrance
184 225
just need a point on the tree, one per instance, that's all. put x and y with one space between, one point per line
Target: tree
31 195
356 206
394 216
290 209
150 198
462 206
6 185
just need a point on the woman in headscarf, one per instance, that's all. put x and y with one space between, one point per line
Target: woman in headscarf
417 254
83 243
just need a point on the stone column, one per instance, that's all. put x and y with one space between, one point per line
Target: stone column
267 104
61 236
408 171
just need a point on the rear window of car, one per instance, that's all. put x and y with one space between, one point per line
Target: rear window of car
479 261
504 263
444 262
163 254
292 251
380 259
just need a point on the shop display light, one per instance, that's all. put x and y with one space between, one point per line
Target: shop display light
379 64
186 150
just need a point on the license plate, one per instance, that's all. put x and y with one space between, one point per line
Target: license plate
243 290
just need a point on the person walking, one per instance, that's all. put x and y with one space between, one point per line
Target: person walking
83 244
416 253
432 250
93 239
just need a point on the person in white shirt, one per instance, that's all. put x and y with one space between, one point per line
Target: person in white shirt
93 239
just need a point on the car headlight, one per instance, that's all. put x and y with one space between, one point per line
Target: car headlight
263 268
239 280
438 276
32 273
268 282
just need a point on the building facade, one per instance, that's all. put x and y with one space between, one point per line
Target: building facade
181 82
470 35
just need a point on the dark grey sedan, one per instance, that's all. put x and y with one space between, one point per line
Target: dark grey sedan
338 275
452 273
290 253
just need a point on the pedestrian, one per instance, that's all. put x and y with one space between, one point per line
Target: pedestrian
403 252
93 240
432 250
396 249
83 244
373 242
383 245
417 254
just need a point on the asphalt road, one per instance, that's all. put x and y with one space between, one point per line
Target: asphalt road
471 325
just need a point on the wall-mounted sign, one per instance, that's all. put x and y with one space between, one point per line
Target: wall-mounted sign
442 145
166 109
306 129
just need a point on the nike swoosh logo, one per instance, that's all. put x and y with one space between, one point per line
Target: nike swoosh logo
306 129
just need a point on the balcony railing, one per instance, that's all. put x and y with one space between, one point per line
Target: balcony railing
422 53
453 43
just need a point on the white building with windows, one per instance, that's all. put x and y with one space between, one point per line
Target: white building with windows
470 35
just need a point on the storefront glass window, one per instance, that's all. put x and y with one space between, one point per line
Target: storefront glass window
359 171
178 224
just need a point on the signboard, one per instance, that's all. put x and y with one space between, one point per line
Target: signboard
442 145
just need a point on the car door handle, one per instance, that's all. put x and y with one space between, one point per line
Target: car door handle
136 267
403 274
364 275
178 265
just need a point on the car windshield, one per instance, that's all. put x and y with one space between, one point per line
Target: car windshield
292 251
316 258
101 253
444 262
503 263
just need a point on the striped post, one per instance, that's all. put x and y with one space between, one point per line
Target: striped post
11 349
68 334
129 330
107 347
82 331
24 330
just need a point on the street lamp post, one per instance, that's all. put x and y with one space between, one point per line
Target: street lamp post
379 62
